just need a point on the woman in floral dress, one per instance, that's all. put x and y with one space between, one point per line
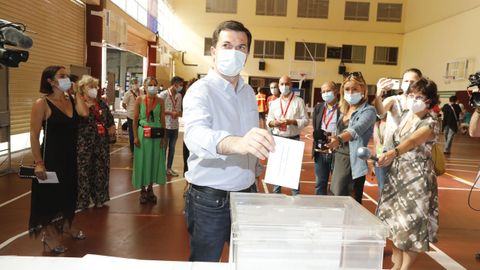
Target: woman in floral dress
409 202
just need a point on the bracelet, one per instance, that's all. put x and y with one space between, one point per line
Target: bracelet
39 162
397 152
340 140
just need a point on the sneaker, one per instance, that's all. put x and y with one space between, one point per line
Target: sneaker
172 172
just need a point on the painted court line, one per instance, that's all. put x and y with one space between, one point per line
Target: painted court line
438 255
13 238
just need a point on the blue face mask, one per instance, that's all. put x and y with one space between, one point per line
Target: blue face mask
152 90
285 90
328 96
352 99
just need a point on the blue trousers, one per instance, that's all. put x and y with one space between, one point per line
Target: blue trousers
130 133
172 135
323 168
208 223
449 134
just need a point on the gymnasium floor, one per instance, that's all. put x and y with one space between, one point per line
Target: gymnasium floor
125 228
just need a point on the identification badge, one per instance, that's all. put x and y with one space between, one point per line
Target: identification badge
147 131
100 129
282 127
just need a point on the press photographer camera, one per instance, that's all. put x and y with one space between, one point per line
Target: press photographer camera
12 35
321 140
475 97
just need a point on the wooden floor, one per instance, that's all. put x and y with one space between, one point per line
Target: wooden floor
125 228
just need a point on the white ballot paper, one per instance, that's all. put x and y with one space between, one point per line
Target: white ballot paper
284 165
51 179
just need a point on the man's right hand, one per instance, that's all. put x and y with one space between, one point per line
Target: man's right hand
382 85
258 142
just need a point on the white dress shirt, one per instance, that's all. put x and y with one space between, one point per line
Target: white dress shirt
172 103
129 99
213 110
296 111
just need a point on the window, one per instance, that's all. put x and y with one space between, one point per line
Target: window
317 51
357 11
222 6
385 56
272 7
312 9
206 47
268 49
354 54
388 12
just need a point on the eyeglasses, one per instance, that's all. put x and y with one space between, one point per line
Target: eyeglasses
355 74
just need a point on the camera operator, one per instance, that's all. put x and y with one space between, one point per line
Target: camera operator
474 128
325 118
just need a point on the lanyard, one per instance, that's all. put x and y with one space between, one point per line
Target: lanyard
147 112
288 106
174 101
332 112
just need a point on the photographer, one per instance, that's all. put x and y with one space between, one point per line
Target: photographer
474 128
325 118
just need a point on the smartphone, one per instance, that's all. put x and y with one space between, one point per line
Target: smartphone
396 84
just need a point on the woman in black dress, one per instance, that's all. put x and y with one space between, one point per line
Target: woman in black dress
53 205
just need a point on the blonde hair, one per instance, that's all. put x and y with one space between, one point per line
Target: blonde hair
85 81
344 105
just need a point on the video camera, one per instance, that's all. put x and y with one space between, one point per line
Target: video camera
12 34
321 139
475 97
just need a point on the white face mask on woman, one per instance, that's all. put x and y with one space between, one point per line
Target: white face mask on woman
352 98
64 84
152 90
229 62
416 105
92 92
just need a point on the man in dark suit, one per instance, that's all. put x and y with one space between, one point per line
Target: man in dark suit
451 112
325 117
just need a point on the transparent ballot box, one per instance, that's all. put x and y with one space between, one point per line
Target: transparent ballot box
276 231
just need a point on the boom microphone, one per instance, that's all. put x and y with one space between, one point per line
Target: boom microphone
14 37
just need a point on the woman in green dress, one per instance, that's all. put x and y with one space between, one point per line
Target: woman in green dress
149 152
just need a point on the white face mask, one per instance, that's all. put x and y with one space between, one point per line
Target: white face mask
353 98
92 92
328 96
179 89
416 106
229 62
285 90
152 90
64 84
405 86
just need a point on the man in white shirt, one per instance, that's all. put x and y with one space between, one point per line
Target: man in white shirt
173 110
128 103
222 134
287 116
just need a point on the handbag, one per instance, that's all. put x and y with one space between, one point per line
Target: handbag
28 171
153 132
438 159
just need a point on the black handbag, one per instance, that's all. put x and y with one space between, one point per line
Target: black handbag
28 171
158 132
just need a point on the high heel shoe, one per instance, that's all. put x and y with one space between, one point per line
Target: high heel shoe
143 196
79 235
56 250
151 196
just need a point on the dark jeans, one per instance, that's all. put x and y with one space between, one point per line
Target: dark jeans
208 223
172 135
323 168
130 132
449 134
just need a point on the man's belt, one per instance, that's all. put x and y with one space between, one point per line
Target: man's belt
217 192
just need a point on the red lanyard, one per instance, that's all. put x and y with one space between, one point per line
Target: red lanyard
147 112
174 101
288 106
331 115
